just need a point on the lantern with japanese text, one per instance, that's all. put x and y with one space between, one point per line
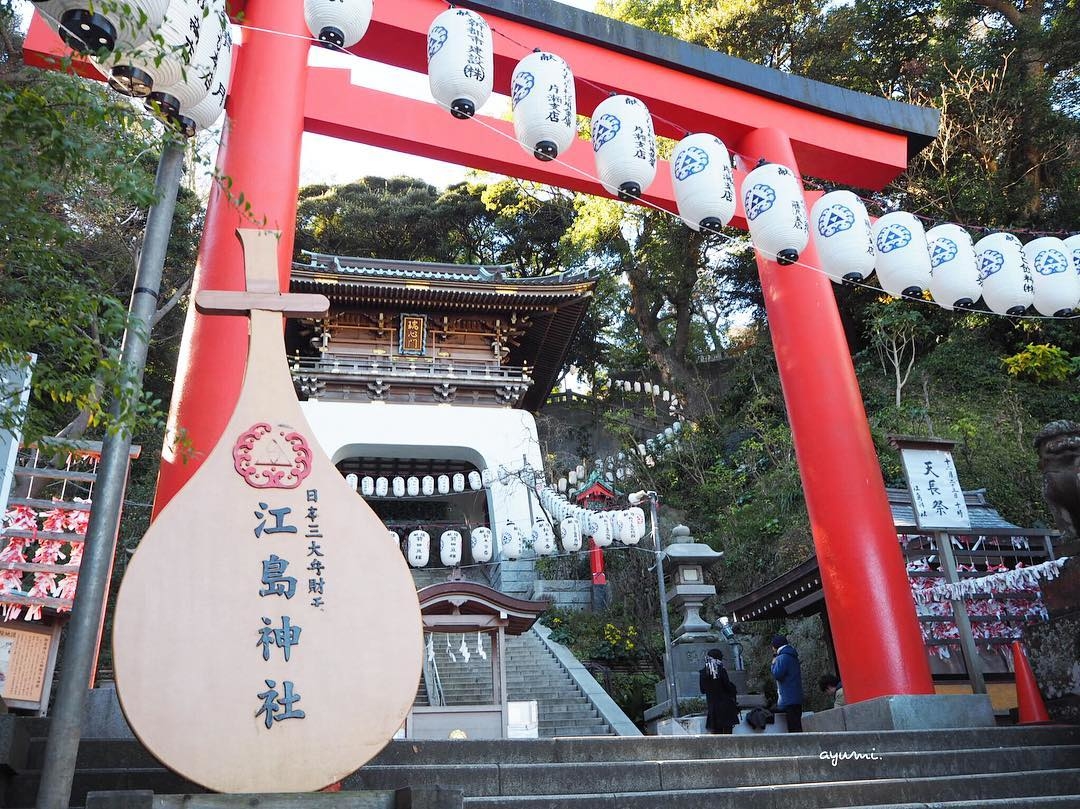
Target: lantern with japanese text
598 528
418 547
622 528
704 187
412 486
340 23
776 212
459 482
443 484
450 548
427 485
543 538
394 537
544 104
399 486
842 235
475 481
163 58
902 263
637 518
1007 287
92 26
382 486
352 481
367 486
954 276
480 544
512 541
570 532
624 146
195 83
1056 278
460 61
206 113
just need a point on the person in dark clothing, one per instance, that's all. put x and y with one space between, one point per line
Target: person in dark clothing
831 686
719 691
787 671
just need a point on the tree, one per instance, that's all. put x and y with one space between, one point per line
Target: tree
76 175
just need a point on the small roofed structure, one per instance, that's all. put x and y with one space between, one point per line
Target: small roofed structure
462 608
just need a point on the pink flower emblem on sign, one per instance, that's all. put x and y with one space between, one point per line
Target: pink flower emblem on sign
272 457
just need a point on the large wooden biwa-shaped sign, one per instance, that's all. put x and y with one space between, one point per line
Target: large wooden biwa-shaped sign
267 637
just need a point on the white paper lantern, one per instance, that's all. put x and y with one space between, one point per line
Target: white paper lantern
381 487
1072 244
624 146
704 187
206 113
161 59
338 22
776 212
480 544
168 100
842 235
637 519
91 26
512 542
637 387
563 484
622 528
460 61
903 258
418 548
543 538
1007 287
1057 282
395 538
427 485
580 472
352 481
399 486
475 481
444 484
459 482
570 532
542 95
666 396
412 486
450 548
599 529
954 276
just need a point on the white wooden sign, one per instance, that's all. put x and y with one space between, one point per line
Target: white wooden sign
936 497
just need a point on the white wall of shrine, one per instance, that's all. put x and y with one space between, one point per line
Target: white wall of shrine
488 438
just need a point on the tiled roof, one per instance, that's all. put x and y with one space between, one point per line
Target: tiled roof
358 267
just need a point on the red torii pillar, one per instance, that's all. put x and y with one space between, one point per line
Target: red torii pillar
878 641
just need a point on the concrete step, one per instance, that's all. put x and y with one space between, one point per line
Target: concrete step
974 789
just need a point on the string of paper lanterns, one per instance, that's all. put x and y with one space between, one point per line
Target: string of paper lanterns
175 53
415 486
909 261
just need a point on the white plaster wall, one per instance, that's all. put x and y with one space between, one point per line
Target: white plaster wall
488 438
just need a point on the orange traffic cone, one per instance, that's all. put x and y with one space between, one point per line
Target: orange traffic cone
332 788
1029 700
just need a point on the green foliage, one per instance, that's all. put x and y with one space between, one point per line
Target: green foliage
1043 363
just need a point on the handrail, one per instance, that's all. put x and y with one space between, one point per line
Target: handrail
410 367
433 683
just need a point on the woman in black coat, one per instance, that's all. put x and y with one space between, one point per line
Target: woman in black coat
719 691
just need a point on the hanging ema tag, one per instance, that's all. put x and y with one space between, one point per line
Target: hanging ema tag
243 634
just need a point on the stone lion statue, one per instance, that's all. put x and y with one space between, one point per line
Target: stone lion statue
1058 445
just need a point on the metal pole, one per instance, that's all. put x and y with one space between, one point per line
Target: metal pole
65 724
673 691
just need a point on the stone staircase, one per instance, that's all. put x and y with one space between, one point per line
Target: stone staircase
985 768
533 672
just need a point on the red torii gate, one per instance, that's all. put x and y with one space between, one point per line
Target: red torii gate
811 127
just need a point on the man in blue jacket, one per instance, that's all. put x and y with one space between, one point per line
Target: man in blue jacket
787 672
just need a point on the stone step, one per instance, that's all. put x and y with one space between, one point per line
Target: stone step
973 789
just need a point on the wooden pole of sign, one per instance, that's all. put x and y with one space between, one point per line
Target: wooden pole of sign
267 637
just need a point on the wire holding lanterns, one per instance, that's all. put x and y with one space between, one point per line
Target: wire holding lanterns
1053 297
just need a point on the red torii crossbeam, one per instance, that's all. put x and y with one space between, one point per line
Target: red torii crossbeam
811 127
